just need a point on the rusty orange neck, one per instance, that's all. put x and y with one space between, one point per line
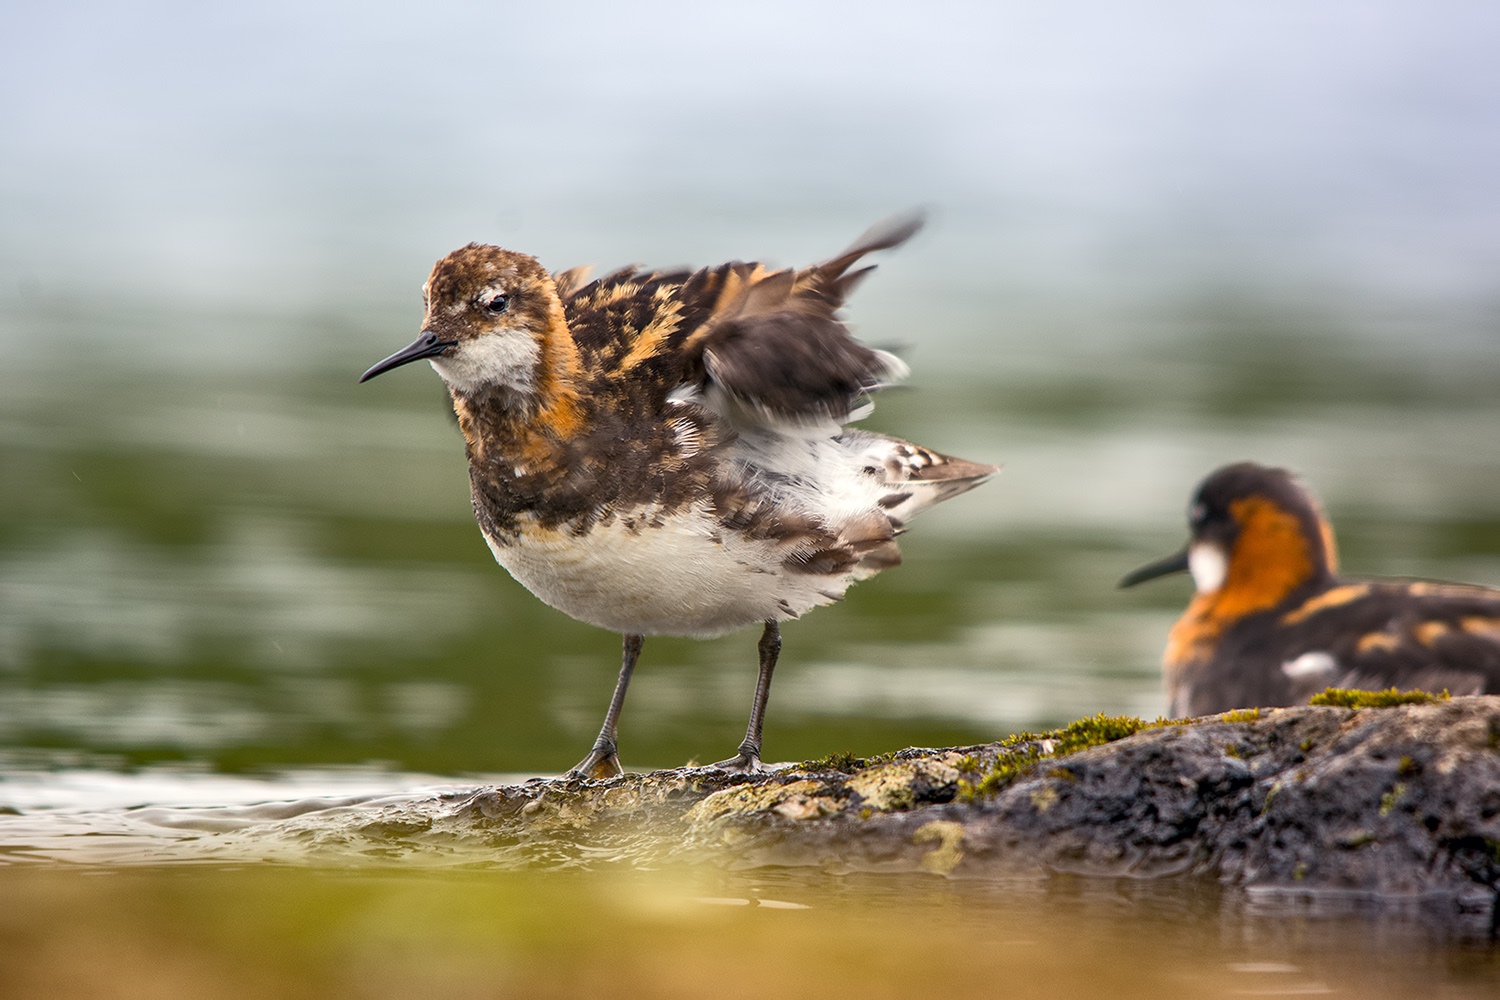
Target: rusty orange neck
525 429
1274 556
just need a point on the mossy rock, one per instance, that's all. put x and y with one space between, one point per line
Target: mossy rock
1396 797
1389 698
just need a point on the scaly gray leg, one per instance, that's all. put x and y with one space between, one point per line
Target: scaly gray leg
748 759
604 760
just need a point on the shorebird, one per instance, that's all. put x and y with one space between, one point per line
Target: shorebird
664 452
1273 624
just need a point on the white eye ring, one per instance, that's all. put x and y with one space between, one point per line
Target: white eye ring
1207 563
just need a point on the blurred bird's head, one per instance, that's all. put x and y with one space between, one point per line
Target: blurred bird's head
1257 535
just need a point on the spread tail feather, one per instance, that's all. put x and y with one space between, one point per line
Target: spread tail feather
916 478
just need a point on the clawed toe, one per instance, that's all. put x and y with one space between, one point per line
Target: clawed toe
600 765
744 763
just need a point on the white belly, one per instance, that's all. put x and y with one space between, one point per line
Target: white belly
669 580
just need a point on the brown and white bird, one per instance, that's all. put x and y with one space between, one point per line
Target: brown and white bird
1273 624
663 453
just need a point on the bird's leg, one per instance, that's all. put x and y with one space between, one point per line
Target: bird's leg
603 760
748 759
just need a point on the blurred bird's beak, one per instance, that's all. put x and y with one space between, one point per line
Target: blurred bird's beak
1176 563
425 346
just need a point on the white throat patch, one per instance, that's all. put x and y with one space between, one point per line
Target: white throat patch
1208 565
502 359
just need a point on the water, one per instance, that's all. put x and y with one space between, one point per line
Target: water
166 882
254 571
273 932
1162 240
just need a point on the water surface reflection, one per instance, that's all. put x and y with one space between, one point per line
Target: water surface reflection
318 933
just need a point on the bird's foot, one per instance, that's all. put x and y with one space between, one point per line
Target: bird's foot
744 762
602 763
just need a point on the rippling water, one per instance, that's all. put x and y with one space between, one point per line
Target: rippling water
256 571
368 884
273 932
166 883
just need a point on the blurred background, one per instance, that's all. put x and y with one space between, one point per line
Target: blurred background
1164 236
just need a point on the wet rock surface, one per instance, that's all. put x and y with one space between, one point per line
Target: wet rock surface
1395 803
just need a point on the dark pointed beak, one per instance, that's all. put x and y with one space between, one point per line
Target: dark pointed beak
425 346
1175 563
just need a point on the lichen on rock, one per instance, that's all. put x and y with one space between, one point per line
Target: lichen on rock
1398 801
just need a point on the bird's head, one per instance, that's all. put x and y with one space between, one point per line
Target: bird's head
1257 535
489 315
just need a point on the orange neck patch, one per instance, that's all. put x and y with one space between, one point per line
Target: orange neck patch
527 430
559 413
1272 557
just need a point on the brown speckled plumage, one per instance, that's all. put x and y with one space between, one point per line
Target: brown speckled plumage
663 452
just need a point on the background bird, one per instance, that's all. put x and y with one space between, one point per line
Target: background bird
1272 623
663 453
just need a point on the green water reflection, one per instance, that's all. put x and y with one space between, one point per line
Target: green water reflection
298 932
249 563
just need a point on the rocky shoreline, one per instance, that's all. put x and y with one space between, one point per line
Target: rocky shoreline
1395 803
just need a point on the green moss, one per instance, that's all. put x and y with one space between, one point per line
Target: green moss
1389 799
1021 752
1407 767
1390 697
845 763
1232 750
1241 715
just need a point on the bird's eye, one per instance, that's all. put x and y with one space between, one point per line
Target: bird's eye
1197 513
496 303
